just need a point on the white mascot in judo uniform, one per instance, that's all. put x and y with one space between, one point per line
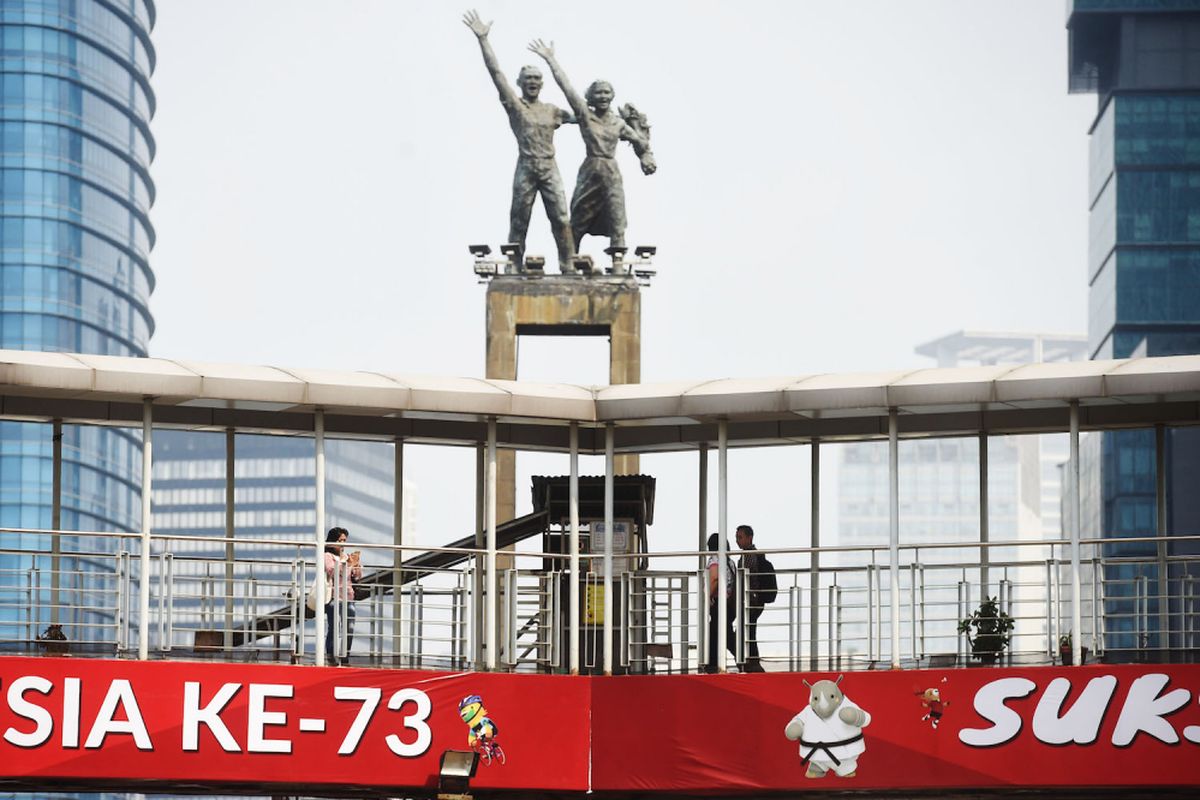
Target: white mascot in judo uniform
829 731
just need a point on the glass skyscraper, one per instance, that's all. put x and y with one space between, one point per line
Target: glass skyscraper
75 194
1142 59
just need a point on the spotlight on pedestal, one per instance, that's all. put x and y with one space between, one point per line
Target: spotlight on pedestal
584 265
641 267
511 251
536 265
617 253
455 773
480 250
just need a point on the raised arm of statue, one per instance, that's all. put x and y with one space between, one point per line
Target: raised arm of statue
577 103
471 19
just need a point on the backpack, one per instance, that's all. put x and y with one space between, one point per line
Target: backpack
763 586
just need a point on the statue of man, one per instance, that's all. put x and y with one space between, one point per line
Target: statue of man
533 123
598 205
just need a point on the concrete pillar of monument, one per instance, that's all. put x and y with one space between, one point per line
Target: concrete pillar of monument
561 306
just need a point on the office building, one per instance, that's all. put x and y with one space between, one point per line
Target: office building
1142 60
75 194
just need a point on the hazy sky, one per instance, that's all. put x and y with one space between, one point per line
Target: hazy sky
838 182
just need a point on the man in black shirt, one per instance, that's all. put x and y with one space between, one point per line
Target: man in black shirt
751 562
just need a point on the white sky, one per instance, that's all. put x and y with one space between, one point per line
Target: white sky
838 182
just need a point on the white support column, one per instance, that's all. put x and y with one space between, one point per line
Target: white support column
894 529
479 615
56 525
319 540
984 534
722 545
703 496
1160 530
492 638
574 549
609 435
1076 614
814 578
147 489
397 553
229 495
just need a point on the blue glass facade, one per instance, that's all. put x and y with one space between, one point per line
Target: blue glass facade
75 237
1143 59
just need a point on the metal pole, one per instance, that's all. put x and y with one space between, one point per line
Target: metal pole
1160 497
147 488
894 529
56 524
814 577
480 544
574 549
493 583
722 545
703 494
608 547
984 533
229 487
397 553
1076 633
319 539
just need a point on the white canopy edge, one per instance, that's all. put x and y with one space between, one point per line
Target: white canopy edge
65 378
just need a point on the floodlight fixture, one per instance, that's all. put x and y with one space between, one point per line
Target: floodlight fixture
584 264
510 249
645 250
485 269
617 253
535 264
644 274
480 250
455 771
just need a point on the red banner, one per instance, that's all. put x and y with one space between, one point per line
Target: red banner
83 720
179 722
968 728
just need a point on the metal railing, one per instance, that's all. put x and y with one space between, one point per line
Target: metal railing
254 608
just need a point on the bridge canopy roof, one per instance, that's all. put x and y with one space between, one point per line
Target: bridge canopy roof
679 415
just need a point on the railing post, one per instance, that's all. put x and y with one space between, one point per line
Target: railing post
147 489
705 596
964 611
510 601
703 503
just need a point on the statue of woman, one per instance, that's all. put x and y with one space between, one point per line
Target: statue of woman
598 204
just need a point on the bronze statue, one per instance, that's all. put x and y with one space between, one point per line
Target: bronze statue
533 123
598 204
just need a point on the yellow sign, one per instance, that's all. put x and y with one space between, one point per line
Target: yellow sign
593 612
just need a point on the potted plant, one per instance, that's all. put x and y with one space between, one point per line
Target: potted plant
1066 653
988 629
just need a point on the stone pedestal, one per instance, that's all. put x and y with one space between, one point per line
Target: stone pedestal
561 306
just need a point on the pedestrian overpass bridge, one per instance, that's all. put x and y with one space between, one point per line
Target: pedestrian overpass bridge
184 667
